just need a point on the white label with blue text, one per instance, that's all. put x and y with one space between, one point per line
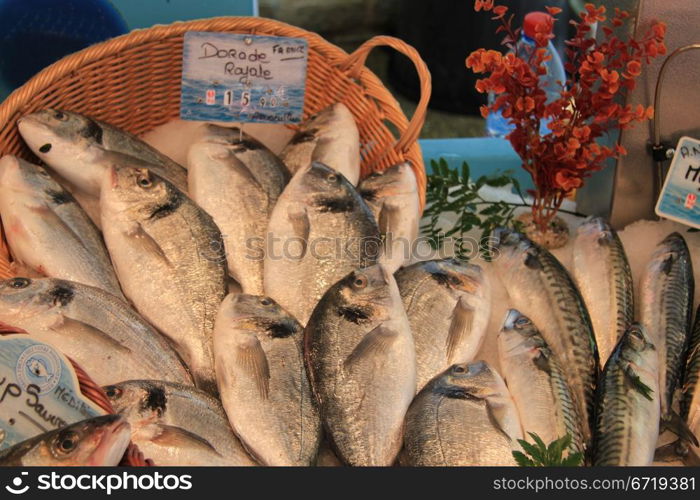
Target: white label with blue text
39 391
679 200
243 78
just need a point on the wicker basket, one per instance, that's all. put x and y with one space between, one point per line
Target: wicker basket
125 82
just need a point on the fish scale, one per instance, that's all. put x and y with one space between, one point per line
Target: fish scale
667 297
542 289
627 422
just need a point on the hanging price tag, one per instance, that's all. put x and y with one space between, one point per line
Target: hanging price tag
39 390
243 78
679 200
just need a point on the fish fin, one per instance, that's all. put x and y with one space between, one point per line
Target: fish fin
377 341
674 423
301 227
637 383
542 361
389 218
150 245
495 417
170 435
667 265
670 452
56 221
460 328
84 330
532 262
251 357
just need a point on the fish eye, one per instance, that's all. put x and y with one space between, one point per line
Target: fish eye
19 283
332 178
144 181
522 321
67 442
360 282
60 115
113 392
43 173
458 369
454 280
266 301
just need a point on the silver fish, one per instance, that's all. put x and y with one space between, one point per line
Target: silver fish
690 396
46 229
80 148
667 288
331 137
319 231
448 305
98 441
177 425
627 426
262 381
393 197
604 279
464 416
540 288
169 259
537 382
102 333
361 361
238 185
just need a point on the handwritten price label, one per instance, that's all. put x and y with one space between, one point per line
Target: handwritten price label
39 391
243 78
679 197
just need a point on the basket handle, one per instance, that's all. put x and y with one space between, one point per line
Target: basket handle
355 62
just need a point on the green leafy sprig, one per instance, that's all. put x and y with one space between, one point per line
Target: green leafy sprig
541 455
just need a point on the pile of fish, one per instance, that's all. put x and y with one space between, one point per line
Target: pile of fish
263 309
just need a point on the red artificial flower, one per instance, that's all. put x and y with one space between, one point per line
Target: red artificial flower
483 4
567 181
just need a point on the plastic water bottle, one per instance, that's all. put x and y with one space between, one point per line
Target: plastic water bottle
496 124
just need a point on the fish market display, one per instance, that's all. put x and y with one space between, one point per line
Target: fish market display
690 398
99 441
540 288
262 381
237 181
320 230
331 137
169 259
177 425
362 365
393 197
448 306
667 289
537 382
80 148
102 333
464 416
46 229
627 426
604 279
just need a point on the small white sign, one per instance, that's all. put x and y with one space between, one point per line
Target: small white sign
678 200
243 78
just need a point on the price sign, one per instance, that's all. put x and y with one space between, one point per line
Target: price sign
679 197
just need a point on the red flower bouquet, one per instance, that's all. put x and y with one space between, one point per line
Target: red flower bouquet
586 109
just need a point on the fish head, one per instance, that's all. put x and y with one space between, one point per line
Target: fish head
140 402
137 194
396 180
22 298
595 230
509 249
519 333
98 441
260 314
325 189
26 179
460 277
54 134
475 379
366 294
